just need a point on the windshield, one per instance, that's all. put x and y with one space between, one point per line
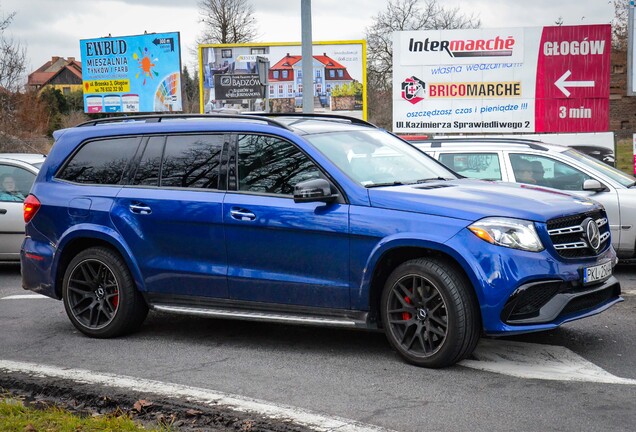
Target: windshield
596 165
376 158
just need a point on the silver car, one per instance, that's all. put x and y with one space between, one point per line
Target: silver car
17 173
546 165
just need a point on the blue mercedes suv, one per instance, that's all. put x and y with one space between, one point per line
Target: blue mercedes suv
304 219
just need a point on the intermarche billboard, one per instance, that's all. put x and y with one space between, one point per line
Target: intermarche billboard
535 79
132 74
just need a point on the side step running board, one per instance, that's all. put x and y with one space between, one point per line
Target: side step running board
261 316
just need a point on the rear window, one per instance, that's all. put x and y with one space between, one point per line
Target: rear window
100 162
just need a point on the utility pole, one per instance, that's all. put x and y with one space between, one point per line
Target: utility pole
308 57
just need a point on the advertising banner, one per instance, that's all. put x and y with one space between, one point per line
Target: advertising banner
238 86
339 77
536 79
132 73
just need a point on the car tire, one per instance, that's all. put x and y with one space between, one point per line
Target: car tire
99 294
429 313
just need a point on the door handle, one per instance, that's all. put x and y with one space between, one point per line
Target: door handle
140 209
242 214
3 211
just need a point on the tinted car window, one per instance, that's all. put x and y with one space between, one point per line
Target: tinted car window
271 165
100 162
149 168
192 161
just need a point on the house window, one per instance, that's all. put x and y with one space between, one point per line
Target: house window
319 88
226 53
275 74
257 51
280 89
300 89
340 73
271 91
318 73
285 74
290 89
332 73
328 88
299 73
66 91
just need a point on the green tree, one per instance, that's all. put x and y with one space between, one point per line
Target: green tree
189 91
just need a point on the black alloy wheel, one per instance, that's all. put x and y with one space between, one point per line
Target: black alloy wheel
429 313
417 315
99 294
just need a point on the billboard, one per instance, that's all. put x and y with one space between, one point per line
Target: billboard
535 79
132 74
228 74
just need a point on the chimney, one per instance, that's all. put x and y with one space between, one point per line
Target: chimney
54 59
71 59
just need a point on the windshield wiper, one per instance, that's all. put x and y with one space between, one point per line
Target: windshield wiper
432 179
374 185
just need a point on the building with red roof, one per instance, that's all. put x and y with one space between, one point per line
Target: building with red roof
285 77
60 73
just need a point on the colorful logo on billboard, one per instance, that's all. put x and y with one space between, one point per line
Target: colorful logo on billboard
413 90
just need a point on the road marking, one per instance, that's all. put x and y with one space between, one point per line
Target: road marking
536 361
24 296
196 394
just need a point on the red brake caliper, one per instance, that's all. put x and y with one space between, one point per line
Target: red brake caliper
406 315
116 299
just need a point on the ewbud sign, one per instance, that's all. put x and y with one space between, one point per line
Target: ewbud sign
129 74
543 79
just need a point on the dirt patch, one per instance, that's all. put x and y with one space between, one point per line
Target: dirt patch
148 409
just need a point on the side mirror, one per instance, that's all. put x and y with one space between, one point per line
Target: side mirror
316 190
594 186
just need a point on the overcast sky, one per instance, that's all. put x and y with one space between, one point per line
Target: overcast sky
54 27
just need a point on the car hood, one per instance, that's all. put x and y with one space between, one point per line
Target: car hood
474 199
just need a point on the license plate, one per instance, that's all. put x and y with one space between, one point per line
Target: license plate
597 273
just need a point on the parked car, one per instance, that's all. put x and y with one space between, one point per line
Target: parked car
304 219
554 166
17 173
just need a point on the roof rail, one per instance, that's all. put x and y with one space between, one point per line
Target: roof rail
533 144
327 117
158 118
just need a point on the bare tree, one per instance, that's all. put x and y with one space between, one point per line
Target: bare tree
402 15
227 21
12 57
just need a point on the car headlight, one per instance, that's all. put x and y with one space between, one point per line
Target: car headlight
508 232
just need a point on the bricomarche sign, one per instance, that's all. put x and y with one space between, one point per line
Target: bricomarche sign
537 79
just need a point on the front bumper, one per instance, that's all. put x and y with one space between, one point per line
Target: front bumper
522 292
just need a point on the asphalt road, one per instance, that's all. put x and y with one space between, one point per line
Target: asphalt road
344 373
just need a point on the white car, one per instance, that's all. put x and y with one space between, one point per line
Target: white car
19 170
549 165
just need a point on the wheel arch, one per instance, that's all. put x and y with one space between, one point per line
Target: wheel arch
384 261
83 238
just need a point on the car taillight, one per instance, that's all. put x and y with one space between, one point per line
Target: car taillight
31 207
